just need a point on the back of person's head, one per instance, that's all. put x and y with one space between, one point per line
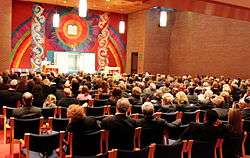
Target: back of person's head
167 98
211 116
234 120
181 98
117 92
122 105
67 91
75 112
136 91
27 99
218 101
191 90
85 89
51 98
147 109
13 84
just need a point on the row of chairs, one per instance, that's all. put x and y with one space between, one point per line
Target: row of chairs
35 126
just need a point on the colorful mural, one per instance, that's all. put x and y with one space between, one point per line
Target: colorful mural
97 33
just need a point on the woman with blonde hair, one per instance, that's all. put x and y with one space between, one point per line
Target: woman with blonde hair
234 134
50 101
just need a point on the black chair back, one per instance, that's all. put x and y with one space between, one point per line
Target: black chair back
133 154
86 144
136 109
232 146
173 151
169 117
175 132
95 111
188 117
22 126
81 102
100 102
48 112
201 115
202 149
63 112
246 125
8 111
59 124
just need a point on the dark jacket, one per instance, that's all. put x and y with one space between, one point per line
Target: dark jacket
246 114
121 131
27 112
10 97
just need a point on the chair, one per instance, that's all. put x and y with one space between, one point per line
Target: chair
97 111
204 149
49 112
92 143
81 102
201 116
173 151
246 125
136 109
244 145
58 124
188 117
232 146
35 144
136 116
169 117
7 113
144 153
19 127
175 132
61 112
100 102
137 138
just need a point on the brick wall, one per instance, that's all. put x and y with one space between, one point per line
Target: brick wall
203 44
5 32
192 43
136 38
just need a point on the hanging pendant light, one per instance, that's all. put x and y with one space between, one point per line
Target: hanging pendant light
122 27
56 20
163 18
83 8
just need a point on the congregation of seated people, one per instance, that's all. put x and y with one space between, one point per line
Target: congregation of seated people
224 101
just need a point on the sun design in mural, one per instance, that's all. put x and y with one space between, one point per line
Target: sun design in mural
73 30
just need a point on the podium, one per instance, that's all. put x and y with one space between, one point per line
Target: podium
50 68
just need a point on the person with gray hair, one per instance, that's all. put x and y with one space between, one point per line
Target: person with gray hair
153 128
27 111
11 97
121 127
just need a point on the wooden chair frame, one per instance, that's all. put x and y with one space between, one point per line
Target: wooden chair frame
27 144
12 140
137 139
243 146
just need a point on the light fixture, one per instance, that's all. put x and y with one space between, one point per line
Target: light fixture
56 20
163 18
122 27
83 8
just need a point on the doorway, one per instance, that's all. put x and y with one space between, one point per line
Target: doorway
134 62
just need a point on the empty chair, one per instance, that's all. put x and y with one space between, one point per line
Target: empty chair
36 145
169 117
204 149
21 126
7 113
58 124
88 144
100 102
136 109
188 117
175 132
62 112
48 112
171 151
201 116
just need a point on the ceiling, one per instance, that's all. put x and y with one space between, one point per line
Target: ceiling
117 6
236 9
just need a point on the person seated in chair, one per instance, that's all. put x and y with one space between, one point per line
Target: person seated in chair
121 128
209 131
27 111
167 103
67 99
153 128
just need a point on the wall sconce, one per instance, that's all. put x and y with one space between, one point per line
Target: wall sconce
163 18
83 8
122 27
56 20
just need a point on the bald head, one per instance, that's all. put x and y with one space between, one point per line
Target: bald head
27 99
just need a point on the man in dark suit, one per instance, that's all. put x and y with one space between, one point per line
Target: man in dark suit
67 99
27 111
153 128
121 128
11 97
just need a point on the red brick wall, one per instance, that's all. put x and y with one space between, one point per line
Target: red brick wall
5 33
202 44
194 43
